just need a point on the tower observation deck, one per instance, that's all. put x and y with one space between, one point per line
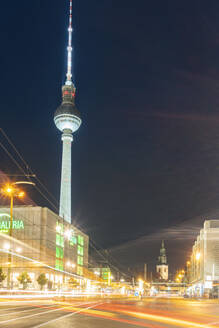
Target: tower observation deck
67 119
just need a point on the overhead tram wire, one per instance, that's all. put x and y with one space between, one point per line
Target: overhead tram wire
27 176
94 244
26 165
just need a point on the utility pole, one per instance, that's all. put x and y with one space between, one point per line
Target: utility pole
145 271
133 281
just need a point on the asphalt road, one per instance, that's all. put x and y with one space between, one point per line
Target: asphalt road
103 313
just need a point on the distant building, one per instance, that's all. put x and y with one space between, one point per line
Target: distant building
162 266
203 268
103 273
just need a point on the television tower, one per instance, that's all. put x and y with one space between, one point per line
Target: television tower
67 120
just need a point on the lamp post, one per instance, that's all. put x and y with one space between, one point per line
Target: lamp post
11 190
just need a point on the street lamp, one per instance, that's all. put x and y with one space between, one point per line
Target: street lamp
11 191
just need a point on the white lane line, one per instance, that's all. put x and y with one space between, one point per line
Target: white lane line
29 316
17 312
65 316
7 309
18 302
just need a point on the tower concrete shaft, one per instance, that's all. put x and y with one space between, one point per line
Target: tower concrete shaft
65 194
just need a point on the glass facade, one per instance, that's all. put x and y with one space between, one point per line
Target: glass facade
59 246
80 250
80 260
105 273
59 240
73 240
80 271
80 240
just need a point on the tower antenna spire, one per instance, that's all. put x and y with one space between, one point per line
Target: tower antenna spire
69 48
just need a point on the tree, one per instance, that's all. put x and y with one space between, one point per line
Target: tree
42 280
24 279
2 276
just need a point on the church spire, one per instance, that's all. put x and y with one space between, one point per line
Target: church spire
162 258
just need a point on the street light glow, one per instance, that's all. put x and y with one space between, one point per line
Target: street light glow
6 246
198 255
21 194
58 228
68 234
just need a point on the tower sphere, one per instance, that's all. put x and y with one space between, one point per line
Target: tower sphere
67 117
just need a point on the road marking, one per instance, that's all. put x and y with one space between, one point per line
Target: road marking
17 312
29 316
8 309
65 316
96 312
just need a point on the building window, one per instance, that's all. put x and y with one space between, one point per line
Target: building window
73 241
81 240
59 265
59 228
80 260
59 240
80 250
59 252
80 271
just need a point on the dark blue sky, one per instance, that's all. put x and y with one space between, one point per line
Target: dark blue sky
147 75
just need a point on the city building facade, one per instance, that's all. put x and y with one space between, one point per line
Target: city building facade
203 267
42 242
104 273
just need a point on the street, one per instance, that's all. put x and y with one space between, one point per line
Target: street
117 313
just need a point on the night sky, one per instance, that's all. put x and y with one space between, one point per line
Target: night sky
146 158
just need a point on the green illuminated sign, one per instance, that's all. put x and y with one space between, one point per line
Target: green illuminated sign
5 223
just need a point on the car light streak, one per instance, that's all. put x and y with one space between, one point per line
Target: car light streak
166 319
150 317
126 310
